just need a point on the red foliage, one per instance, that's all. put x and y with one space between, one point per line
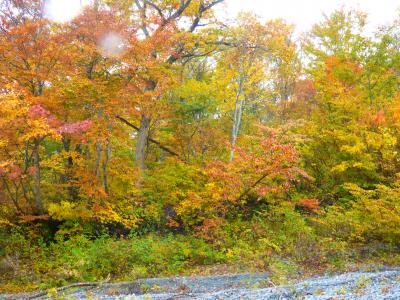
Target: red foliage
375 120
78 127
171 223
311 204
379 118
271 161
14 173
208 229
39 112
305 90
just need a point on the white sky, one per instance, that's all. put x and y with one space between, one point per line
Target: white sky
304 13
62 10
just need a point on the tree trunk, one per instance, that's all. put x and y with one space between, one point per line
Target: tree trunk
99 150
26 157
36 178
67 177
105 166
235 128
233 136
237 117
142 137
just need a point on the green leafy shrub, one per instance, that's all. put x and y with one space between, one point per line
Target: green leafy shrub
82 259
373 216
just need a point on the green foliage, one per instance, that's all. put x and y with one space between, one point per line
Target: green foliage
81 259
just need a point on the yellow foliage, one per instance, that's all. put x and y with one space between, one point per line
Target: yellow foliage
69 211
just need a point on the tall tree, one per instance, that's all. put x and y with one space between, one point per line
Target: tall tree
30 51
166 42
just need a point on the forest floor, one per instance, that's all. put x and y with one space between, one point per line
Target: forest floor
374 285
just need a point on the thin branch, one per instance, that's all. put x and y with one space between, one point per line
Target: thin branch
248 190
14 200
239 45
209 6
159 10
143 17
74 285
202 10
180 10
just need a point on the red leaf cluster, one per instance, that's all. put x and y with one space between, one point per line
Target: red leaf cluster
310 204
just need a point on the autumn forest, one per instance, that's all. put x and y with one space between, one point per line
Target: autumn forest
153 138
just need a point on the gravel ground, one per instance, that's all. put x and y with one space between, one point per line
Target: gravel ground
357 285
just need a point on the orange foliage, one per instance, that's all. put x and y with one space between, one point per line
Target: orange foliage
268 168
32 218
310 204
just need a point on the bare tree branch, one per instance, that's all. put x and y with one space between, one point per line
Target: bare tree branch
209 6
248 190
142 9
159 10
180 10
239 45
